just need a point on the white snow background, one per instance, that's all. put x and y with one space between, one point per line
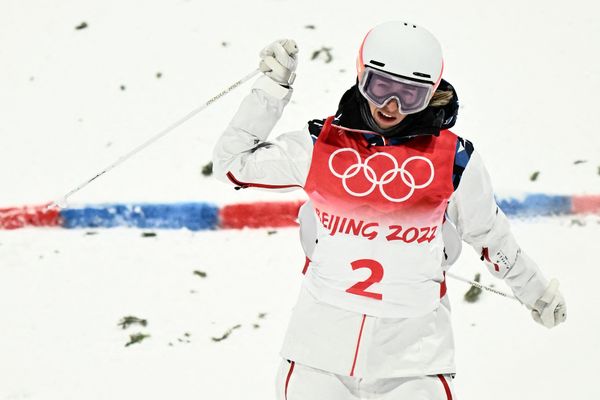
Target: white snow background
527 74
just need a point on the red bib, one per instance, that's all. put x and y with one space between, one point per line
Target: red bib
412 181
379 209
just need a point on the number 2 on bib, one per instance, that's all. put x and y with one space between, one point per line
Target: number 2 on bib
360 288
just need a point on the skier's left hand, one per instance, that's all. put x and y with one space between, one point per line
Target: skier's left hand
550 309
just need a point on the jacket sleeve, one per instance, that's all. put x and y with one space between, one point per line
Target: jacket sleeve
483 225
244 157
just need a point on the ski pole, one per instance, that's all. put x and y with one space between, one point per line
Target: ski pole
480 286
63 200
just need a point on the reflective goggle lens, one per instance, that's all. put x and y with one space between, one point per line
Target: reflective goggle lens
380 87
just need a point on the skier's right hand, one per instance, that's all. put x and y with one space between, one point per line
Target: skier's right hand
278 61
550 309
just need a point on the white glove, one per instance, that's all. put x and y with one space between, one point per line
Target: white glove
550 309
278 61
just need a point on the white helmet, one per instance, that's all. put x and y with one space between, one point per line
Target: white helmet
402 49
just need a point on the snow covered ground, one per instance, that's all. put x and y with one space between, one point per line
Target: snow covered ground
73 100
526 73
62 293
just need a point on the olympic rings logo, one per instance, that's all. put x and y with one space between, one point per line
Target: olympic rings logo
387 177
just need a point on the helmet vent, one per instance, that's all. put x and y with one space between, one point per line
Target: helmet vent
422 75
379 64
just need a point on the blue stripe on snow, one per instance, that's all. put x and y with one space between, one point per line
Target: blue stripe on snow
193 216
536 205
202 216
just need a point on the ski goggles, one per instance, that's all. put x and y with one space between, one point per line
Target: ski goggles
381 87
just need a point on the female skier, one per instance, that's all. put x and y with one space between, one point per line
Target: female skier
383 176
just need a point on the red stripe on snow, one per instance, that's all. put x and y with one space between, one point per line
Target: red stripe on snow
260 215
289 375
446 387
19 217
358 344
585 204
244 185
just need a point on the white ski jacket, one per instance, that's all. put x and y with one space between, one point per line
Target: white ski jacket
341 337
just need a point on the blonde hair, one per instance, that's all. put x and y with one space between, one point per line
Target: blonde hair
441 98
